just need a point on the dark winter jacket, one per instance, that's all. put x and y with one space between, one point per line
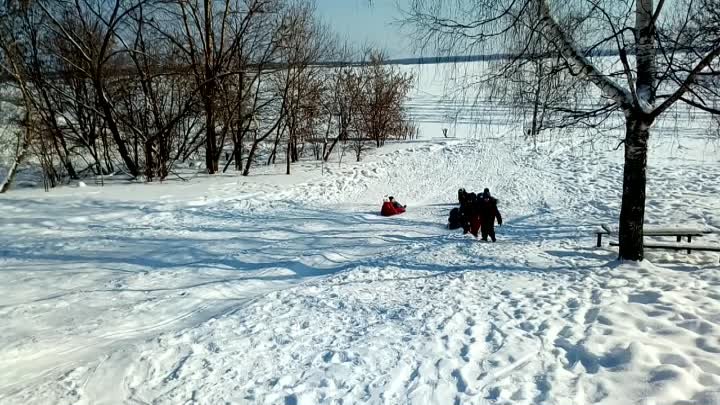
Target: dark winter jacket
488 211
462 196
469 206
456 219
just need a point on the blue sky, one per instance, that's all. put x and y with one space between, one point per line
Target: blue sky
363 23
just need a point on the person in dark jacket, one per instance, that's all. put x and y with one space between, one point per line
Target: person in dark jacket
471 214
458 216
456 219
395 203
488 212
462 196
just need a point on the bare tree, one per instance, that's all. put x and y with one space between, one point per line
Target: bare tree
341 105
19 149
537 86
653 68
140 85
306 43
382 99
90 30
301 42
156 99
11 66
213 40
206 54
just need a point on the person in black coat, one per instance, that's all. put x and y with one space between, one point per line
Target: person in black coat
471 214
462 196
488 212
457 218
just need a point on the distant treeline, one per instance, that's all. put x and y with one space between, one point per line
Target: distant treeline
421 60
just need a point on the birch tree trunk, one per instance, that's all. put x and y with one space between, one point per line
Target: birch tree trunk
637 132
21 151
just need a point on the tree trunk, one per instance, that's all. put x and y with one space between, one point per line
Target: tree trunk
136 150
114 130
329 149
210 141
251 154
10 177
163 164
295 152
208 92
273 154
149 165
646 52
287 157
536 101
57 134
242 129
97 166
64 154
106 153
632 213
342 133
58 151
325 140
22 150
237 151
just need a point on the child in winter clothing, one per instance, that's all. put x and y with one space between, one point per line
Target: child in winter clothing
488 212
391 207
395 203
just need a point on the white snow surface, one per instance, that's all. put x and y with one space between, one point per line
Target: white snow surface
292 290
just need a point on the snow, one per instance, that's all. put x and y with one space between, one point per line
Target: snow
276 289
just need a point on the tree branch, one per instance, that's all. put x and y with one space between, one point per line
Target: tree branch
689 81
609 88
700 106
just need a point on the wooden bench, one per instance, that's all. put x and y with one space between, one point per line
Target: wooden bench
678 233
600 231
676 246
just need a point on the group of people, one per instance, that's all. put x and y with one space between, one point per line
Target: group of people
476 215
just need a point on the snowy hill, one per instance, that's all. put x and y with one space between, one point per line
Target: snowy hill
277 290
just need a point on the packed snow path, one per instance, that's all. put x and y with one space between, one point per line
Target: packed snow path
275 291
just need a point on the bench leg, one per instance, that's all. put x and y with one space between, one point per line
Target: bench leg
679 238
599 240
689 240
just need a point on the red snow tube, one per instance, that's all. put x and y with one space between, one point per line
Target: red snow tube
388 209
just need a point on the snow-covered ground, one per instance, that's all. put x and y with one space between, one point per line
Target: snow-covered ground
292 290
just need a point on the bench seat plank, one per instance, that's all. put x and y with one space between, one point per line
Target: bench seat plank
659 231
600 230
676 246
651 231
